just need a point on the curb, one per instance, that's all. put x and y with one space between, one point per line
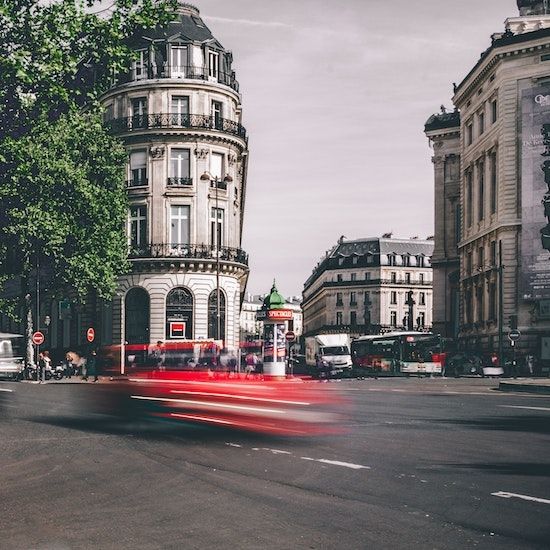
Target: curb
524 388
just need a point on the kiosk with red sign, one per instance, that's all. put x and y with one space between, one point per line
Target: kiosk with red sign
274 315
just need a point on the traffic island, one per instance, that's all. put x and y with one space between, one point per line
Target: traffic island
526 386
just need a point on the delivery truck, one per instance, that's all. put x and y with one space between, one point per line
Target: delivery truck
329 353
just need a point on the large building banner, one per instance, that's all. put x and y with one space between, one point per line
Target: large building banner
535 193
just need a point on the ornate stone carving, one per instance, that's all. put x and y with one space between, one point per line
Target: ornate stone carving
232 159
157 152
201 153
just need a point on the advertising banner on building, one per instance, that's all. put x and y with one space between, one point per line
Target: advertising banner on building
535 193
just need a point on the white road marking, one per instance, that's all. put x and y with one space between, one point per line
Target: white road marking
274 451
525 407
233 445
3 389
504 494
336 463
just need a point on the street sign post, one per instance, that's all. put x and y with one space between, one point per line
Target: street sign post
90 335
290 336
37 338
513 336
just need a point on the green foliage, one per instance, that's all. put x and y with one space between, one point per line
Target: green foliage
63 198
62 192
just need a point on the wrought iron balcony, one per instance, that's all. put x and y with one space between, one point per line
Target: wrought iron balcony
137 182
151 71
189 251
175 121
179 182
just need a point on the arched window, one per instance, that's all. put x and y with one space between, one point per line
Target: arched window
136 321
213 312
179 314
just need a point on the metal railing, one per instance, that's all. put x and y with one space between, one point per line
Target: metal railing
176 121
191 251
192 72
179 182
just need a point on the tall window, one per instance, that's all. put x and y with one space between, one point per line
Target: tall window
137 315
494 181
339 278
458 223
178 61
179 167
216 227
469 263
139 65
493 253
408 278
481 258
468 306
352 317
480 303
367 275
138 168
213 65
469 133
353 277
481 190
216 113
353 298
481 122
494 111
138 226
421 318
216 165
492 301
179 314
339 301
393 297
179 110
215 310
139 112
469 198
393 318
422 299
179 224
421 278
393 277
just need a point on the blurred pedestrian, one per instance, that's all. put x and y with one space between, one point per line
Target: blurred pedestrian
251 362
91 366
530 364
158 354
68 365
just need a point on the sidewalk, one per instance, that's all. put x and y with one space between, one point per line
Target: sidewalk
530 385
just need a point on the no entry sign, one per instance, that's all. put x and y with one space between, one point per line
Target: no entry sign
37 338
290 336
90 334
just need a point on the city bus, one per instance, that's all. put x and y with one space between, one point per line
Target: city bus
397 353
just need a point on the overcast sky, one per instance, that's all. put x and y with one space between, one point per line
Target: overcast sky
335 96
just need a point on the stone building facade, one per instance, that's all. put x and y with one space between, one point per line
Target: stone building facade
443 131
504 103
362 287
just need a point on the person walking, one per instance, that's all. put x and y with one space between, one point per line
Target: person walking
91 366
68 365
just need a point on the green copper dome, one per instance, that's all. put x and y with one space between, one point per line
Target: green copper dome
273 300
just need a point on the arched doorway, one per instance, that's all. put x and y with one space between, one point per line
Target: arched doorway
136 325
179 314
213 316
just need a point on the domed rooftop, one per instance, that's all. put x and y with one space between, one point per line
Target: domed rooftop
186 27
273 300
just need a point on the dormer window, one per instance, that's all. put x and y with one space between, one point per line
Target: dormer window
178 61
213 65
139 66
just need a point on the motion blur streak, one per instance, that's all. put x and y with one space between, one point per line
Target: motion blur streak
248 398
200 418
208 404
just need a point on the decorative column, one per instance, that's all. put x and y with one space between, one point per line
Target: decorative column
274 315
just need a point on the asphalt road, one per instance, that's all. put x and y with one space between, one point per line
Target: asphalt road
430 463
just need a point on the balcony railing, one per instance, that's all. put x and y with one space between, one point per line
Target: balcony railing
219 184
175 121
192 72
137 182
190 251
179 182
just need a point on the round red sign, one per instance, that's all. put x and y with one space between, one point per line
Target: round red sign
90 334
290 336
37 338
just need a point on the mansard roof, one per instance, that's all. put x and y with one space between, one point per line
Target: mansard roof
440 121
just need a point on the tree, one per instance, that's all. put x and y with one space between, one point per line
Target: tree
62 195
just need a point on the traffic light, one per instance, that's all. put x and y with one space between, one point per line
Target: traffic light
513 321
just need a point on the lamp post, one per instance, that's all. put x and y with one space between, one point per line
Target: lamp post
500 306
214 182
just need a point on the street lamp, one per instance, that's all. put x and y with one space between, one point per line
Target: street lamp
214 182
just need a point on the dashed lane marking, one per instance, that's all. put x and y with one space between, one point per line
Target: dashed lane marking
525 407
337 463
504 494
